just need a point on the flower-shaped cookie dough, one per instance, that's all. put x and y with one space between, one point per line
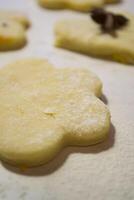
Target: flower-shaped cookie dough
13 27
43 109
80 5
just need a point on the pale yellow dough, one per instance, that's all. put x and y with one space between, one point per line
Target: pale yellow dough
16 16
80 5
85 36
43 109
12 30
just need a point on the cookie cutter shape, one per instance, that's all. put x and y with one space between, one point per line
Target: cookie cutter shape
89 39
44 109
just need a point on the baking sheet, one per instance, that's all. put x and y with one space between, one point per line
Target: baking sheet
101 172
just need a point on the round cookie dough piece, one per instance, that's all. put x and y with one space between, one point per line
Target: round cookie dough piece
15 16
80 5
41 113
12 35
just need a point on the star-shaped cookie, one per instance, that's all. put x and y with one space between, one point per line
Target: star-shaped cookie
43 109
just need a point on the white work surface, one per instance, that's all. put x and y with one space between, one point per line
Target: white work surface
100 172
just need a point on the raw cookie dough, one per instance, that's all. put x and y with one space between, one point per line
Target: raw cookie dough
85 36
43 109
80 5
13 27
15 15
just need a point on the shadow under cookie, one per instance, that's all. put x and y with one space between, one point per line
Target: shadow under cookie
62 157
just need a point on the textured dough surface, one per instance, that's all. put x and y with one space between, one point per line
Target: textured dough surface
12 30
16 16
80 5
89 39
44 109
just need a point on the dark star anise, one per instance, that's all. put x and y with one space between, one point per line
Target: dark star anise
108 21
